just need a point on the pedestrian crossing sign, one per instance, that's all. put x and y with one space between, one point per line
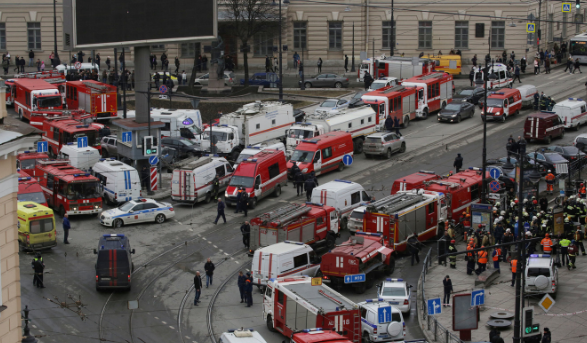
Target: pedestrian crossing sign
530 27
566 7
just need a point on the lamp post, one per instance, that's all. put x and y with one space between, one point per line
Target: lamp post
56 60
353 62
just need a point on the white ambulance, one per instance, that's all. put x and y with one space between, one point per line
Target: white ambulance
343 195
192 183
573 112
81 158
178 122
119 182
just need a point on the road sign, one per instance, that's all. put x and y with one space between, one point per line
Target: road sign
354 278
163 89
546 303
82 142
478 297
316 281
495 173
494 186
127 137
153 160
42 146
566 7
384 314
434 306
347 160
530 27
78 65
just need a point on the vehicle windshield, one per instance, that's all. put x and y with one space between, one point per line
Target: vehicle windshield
364 66
373 139
357 215
195 130
495 103
218 135
72 137
466 92
186 142
49 101
376 85
394 292
28 164
82 190
452 107
298 133
37 197
244 181
578 48
328 104
242 157
126 206
302 156
359 95
553 157
41 225
534 272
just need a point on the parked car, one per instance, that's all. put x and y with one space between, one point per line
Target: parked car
261 79
548 160
357 100
108 144
581 142
456 111
331 105
569 152
184 146
203 80
326 80
470 94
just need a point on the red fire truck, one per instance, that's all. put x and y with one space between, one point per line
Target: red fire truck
291 304
365 253
27 160
94 97
50 74
413 181
67 189
394 66
35 96
396 101
60 132
435 93
29 189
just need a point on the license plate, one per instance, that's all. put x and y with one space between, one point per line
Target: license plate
105 279
394 302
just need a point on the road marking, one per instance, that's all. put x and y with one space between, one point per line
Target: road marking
215 246
190 229
226 254
164 323
209 242
157 318
544 84
236 262
34 326
222 251
430 126
171 327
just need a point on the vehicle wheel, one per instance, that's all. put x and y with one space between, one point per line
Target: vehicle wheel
459 118
117 223
197 84
191 154
277 191
389 269
98 289
338 85
330 243
388 154
341 167
367 156
369 282
61 211
576 128
253 203
358 143
20 115
406 122
234 154
270 324
308 85
548 139
366 338
160 219
425 113
344 223
403 148
360 288
208 198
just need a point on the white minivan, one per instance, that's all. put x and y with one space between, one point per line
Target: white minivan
343 195
573 112
119 182
81 158
192 183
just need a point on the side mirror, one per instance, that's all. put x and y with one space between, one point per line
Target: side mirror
95 251
133 251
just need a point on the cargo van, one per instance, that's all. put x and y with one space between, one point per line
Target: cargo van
80 158
322 153
573 113
287 258
119 182
502 105
29 189
114 264
192 183
527 92
343 195
253 149
36 226
262 174
543 126
447 63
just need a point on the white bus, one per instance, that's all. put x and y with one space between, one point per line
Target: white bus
578 48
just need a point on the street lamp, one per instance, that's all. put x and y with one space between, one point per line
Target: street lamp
280 53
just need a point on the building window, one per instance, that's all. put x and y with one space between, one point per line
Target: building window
497 34
335 35
2 36
263 44
424 35
461 34
550 26
34 36
387 34
157 47
300 35
188 50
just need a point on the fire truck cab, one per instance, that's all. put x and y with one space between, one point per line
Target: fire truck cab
413 181
29 189
27 160
34 96
396 101
434 91
60 132
94 97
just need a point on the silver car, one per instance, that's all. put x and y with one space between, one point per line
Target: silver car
326 80
331 105
203 80
109 146
384 143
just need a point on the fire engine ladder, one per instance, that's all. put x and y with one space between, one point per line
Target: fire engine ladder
431 76
443 183
284 213
393 89
95 87
55 80
396 201
357 329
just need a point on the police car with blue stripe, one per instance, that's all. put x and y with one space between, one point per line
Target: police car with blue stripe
381 321
137 211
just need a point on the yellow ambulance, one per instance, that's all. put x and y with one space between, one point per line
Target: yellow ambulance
448 63
36 226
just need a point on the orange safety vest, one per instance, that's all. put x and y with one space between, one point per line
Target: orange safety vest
549 178
482 257
498 253
469 254
546 244
582 190
514 265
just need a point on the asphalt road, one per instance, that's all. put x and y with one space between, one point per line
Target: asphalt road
168 255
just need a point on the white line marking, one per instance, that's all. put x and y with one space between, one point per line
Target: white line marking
217 247
227 253
164 323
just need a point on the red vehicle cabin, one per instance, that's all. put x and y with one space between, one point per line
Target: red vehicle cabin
396 101
60 132
503 104
68 189
413 181
27 160
33 97
436 92
322 153
29 189
96 98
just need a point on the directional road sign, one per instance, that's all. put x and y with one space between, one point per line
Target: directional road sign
495 173
384 314
78 65
530 27
127 137
566 7
153 160
42 146
494 186
347 160
355 278
478 297
434 306
82 142
163 89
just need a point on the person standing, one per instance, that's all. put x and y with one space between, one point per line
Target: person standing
38 64
546 338
301 69
414 248
6 65
267 63
546 244
470 259
299 177
577 66
163 58
244 202
38 268
184 77
497 338
215 186
176 65
368 80
309 185
396 124
346 64
517 74
145 176
51 58
23 63
319 64
31 58
471 76
564 244
514 268
37 258
458 163
474 60
452 258
239 193
220 211
275 65
197 287
536 100
579 236
481 261
249 289
296 59
447 283
246 231
209 268
536 67
97 61
547 66
496 256
42 66
241 286
66 227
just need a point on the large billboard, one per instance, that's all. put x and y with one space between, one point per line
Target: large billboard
117 23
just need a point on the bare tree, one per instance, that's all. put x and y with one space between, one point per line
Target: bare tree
246 18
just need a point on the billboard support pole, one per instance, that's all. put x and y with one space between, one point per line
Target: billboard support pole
143 83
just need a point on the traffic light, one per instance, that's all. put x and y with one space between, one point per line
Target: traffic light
578 4
530 328
150 146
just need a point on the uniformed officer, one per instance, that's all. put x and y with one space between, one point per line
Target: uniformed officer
481 261
470 259
452 258
299 177
215 186
546 244
564 243
249 289
294 171
543 103
38 267
514 268
37 258
241 286
568 227
572 255
579 240
309 185
496 256
244 202
239 193
246 231
536 98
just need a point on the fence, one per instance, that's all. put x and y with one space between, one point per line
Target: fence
439 333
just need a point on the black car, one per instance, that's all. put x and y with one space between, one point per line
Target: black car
356 99
470 94
548 161
183 146
456 111
570 152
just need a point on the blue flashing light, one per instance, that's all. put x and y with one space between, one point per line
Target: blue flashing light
272 279
352 254
345 181
394 280
82 126
27 152
102 247
102 159
376 234
540 255
314 203
70 143
223 125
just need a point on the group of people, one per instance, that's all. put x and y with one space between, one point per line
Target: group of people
245 286
209 268
303 182
543 102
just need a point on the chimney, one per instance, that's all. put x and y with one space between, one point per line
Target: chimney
3 112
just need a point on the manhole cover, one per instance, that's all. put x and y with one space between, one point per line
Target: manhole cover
502 315
499 323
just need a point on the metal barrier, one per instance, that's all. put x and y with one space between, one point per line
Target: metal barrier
439 332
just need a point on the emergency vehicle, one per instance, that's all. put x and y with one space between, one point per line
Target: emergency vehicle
321 154
343 195
67 189
178 122
365 253
317 335
573 112
36 226
413 181
312 224
377 326
96 98
397 101
502 105
261 175
192 182
400 67
502 75
60 132
32 97
293 303
399 216
447 63
29 189
119 182
543 126
27 160
44 75
81 158
434 91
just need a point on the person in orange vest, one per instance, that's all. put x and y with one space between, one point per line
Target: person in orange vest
470 259
546 244
549 182
514 268
582 191
481 261
496 255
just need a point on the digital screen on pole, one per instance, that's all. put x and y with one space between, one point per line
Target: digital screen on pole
142 22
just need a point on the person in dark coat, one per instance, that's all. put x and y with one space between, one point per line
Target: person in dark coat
244 202
239 193
497 338
458 163
299 180
66 227
546 337
249 289
268 64
396 125
108 62
368 80
577 66
163 58
494 331
309 185
80 56
414 248
220 211
517 74
447 291
241 286
38 267
389 124
145 177
176 65
543 204
498 233
209 268
246 231
197 288
346 64
471 76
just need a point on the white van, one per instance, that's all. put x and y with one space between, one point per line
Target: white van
242 336
504 78
527 92
178 122
573 112
283 259
81 158
193 182
85 67
119 182
343 195
254 149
